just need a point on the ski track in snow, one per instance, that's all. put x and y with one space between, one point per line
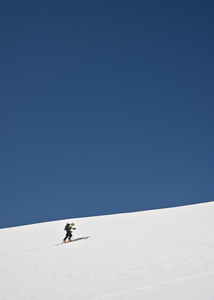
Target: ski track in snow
153 286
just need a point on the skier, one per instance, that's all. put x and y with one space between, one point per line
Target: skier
68 228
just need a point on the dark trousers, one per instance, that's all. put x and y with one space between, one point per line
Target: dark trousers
68 235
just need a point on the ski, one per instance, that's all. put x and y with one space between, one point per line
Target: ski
63 243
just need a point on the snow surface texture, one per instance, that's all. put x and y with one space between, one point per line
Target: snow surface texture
160 254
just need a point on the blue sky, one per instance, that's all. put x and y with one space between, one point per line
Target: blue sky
105 107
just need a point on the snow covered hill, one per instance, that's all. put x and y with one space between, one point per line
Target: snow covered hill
161 254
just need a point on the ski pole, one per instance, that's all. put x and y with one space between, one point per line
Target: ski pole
72 235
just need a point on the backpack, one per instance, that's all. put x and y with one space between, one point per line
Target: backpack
66 227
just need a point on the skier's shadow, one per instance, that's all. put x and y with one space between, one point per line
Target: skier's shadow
82 238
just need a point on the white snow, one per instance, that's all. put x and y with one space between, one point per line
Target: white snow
160 254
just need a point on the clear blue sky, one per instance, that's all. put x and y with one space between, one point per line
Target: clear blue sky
105 107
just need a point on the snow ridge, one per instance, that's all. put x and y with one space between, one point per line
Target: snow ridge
152 255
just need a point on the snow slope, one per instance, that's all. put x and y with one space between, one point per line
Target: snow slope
160 254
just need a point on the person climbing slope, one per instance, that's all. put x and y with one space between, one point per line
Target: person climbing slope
68 228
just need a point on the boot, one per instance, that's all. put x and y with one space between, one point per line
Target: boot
69 240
